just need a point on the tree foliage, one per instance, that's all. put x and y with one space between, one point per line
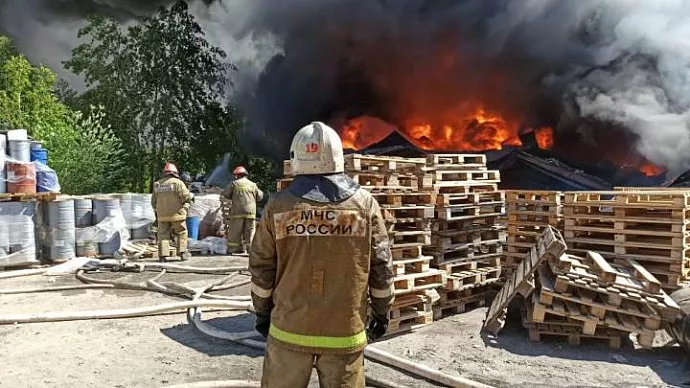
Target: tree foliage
161 83
28 100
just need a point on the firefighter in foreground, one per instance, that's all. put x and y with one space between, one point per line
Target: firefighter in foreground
171 200
320 256
243 194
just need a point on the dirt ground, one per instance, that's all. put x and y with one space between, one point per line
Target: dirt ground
162 350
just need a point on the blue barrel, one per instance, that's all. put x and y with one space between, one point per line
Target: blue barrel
193 227
39 155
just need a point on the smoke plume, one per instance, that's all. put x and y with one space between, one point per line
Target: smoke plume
584 67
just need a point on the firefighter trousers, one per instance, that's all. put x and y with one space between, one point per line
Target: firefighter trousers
177 229
285 368
240 234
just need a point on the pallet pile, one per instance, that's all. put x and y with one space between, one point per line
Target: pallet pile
650 227
583 297
403 190
528 212
467 241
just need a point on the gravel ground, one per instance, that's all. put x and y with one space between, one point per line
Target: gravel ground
156 351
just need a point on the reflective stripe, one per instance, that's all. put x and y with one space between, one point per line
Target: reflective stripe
385 293
233 244
262 292
250 216
313 341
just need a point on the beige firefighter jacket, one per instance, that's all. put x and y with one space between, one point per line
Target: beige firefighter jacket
315 265
244 195
170 199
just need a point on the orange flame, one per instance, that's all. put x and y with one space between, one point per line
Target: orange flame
544 137
649 169
364 131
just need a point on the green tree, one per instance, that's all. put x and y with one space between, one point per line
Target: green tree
79 146
160 82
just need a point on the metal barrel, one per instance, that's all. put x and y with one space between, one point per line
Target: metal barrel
140 213
20 226
103 208
4 239
62 235
83 212
83 218
20 150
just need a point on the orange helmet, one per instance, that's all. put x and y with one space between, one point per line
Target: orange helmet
240 170
170 169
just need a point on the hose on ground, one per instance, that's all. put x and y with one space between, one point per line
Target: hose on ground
6 319
219 384
22 272
9 291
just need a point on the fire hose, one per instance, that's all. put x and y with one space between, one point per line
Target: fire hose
194 312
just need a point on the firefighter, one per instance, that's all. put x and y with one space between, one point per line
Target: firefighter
320 257
171 200
243 195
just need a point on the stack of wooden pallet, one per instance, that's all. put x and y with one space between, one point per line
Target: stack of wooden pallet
403 190
583 297
650 227
466 241
528 212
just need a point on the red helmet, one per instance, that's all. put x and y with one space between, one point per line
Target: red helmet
170 168
240 170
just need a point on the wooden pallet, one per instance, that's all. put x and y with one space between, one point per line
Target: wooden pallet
468 265
629 199
534 196
651 215
460 225
467 212
413 252
550 245
408 225
633 313
533 219
463 187
458 238
529 209
403 305
641 238
409 239
613 282
452 303
383 164
400 199
454 161
409 322
469 252
390 180
573 334
470 198
407 266
418 281
24 197
450 178
283 184
138 250
391 214
461 280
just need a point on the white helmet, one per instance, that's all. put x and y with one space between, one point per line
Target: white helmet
316 149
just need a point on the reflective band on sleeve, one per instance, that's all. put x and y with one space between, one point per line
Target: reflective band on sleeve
233 244
385 293
313 341
262 292
249 216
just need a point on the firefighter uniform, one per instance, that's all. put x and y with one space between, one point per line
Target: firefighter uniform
244 195
319 260
171 200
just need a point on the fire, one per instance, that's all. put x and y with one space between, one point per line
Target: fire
649 169
363 131
544 137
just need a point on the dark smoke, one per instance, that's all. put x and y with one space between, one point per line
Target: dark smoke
589 68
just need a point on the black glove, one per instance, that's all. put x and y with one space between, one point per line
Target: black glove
377 328
263 322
